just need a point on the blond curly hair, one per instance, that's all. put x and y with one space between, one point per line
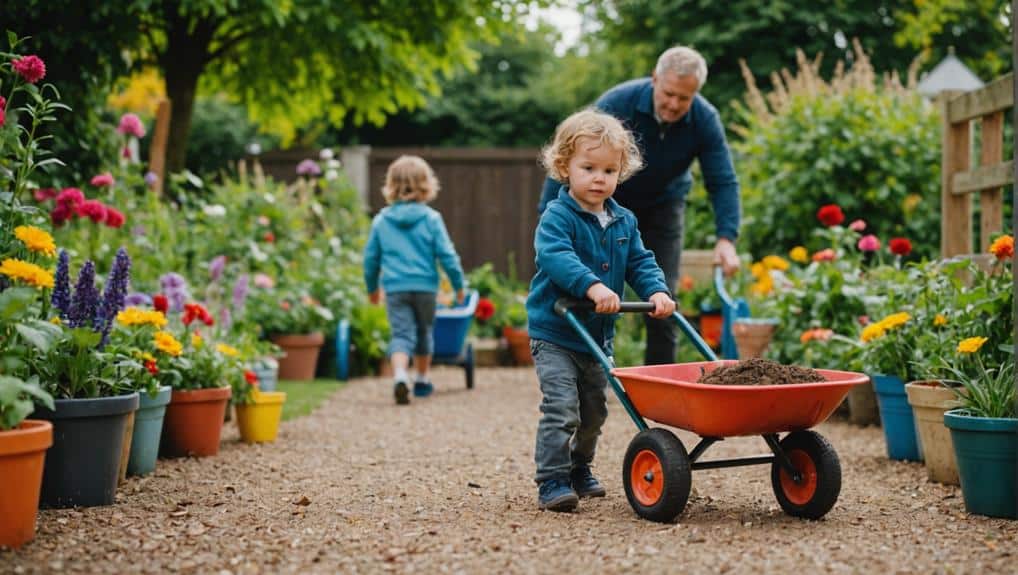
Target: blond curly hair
599 126
410 179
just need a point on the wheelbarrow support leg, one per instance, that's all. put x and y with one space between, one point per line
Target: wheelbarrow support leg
782 457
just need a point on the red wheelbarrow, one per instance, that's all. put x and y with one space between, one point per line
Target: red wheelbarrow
657 470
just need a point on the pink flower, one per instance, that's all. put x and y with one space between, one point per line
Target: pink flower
868 243
31 68
61 214
126 153
826 255
44 194
72 198
130 125
857 226
102 180
3 110
94 210
263 281
114 217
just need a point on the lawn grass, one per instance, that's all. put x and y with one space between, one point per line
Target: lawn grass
303 397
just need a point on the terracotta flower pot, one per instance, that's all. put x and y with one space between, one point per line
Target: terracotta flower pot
519 344
929 401
301 355
194 422
753 335
22 453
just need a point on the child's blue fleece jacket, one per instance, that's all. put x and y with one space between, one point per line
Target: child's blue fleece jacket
573 253
405 241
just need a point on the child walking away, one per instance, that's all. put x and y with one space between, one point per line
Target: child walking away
587 247
406 240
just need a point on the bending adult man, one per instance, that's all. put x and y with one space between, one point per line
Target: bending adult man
673 125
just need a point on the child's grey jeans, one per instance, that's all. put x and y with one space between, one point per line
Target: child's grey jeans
573 408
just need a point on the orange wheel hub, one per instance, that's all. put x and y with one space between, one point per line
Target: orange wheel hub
646 478
802 492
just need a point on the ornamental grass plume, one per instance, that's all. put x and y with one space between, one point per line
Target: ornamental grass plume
26 272
61 298
36 240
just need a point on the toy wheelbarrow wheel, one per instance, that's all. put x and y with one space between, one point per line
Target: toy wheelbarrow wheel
813 493
656 475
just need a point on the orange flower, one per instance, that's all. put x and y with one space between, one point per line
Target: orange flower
686 283
1003 247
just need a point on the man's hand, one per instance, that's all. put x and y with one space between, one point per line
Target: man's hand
605 300
374 297
664 306
724 254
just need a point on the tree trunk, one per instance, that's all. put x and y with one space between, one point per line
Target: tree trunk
187 53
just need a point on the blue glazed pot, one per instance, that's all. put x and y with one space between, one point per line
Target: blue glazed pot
986 449
267 371
897 418
148 427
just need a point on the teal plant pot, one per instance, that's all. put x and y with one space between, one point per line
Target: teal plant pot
267 371
897 418
986 449
148 427
83 466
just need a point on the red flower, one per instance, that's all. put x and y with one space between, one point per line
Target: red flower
94 209
900 246
72 198
251 377
864 320
114 217
31 68
43 194
3 109
160 302
61 214
485 309
269 237
193 311
151 367
830 215
102 180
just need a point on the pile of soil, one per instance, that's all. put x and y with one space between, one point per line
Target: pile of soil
757 371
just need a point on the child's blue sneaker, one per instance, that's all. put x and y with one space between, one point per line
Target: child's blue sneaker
584 482
401 392
423 388
556 495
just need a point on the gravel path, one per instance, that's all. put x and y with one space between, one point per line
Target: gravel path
444 485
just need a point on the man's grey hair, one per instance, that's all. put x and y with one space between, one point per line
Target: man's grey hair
682 61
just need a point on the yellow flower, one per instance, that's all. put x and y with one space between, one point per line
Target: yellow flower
196 340
166 343
970 345
227 350
136 316
911 202
144 356
940 320
873 331
55 320
26 272
36 240
758 270
763 286
775 263
799 254
894 320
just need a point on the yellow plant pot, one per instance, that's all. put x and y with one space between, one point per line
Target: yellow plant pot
259 421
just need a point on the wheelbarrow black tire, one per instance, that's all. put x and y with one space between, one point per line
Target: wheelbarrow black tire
656 475
468 365
815 494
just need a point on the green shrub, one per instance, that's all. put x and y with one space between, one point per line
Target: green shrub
220 133
870 147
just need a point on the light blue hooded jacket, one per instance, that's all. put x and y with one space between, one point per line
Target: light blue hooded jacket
406 240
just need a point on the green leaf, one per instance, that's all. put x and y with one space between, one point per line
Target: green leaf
14 302
37 338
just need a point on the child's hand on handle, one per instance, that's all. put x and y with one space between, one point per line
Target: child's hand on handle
605 300
374 297
664 306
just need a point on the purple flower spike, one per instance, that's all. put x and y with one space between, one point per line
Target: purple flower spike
114 294
85 300
216 267
240 290
61 298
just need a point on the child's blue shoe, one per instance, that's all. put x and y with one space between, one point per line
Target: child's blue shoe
584 482
556 495
423 388
401 392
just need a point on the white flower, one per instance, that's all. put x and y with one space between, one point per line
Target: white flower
254 148
333 164
257 254
214 210
326 154
269 198
331 175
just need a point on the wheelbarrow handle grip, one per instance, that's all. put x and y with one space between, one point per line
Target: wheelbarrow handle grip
573 304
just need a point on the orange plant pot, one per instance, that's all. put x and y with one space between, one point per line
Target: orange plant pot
519 344
194 422
301 355
22 454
